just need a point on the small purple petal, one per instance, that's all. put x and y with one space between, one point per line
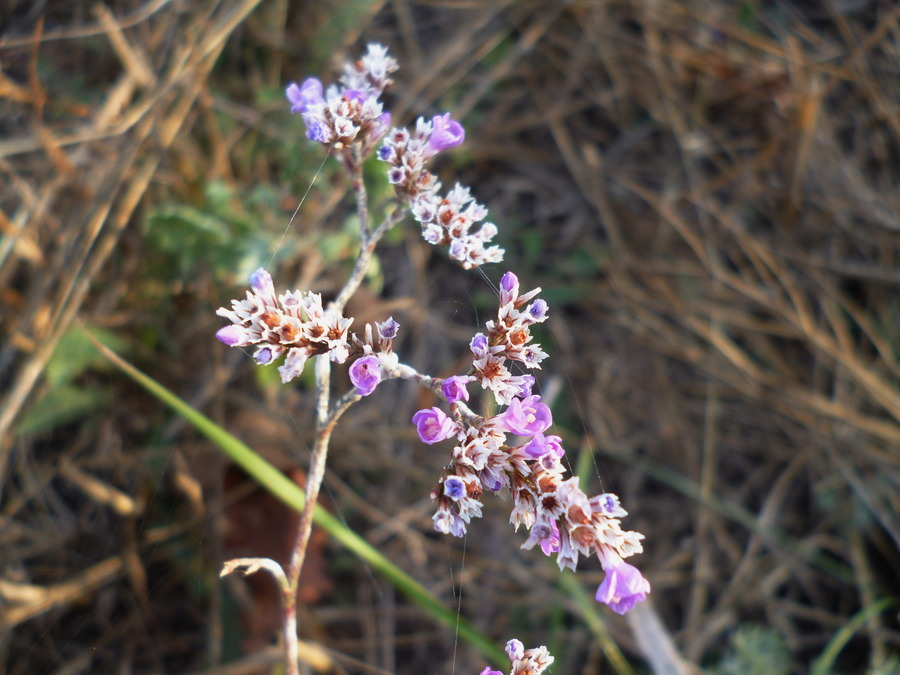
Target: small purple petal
454 487
526 386
454 388
541 445
365 374
515 650
315 131
356 96
527 417
550 544
261 281
433 425
303 96
479 345
388 329
623 587
231 335
538 310
446 133
509 288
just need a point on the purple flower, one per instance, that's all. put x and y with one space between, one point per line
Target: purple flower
550 543
307 94
454 487
527 417
607 503
264 355
446 133
233 335
388 329
525 386
538 310
623 587
487 671
479 345
365 374
509 288
515 650
454 388
433 425
261 282
541 445
316 131
356 96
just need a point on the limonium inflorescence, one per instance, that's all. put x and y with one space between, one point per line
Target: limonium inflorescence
524 661
296 325
350 111
448 220
510 452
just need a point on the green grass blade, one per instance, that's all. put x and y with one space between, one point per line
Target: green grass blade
824 664
288 492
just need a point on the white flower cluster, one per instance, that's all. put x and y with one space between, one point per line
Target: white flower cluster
294 323
352 111
509 338
446 221
524 661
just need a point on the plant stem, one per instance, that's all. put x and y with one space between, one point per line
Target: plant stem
362 197
313 482
325 417
367 248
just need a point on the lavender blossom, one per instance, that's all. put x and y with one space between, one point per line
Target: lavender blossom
446 133
433 425
351 112
294 324
527 417
451 220
454 388
515 650
623 587
524 661
306 95
388 329
560 517
365 374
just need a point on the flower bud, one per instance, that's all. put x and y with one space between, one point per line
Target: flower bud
365 374
433 425
232 335
388 329
454 388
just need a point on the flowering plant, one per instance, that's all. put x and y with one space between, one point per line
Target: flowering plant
509 451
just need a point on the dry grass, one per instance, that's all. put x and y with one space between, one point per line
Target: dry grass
707 194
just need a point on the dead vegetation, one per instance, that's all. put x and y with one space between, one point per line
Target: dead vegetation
707 193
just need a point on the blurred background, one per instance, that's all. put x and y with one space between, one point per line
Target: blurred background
705 190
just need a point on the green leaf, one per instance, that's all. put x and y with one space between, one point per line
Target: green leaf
756 650
825 663
60 405
75 353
